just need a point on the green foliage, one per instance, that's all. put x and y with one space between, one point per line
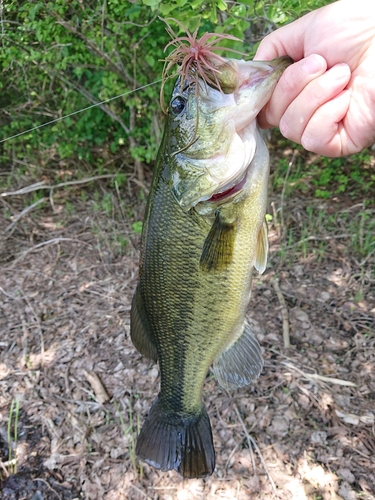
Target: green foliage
12 437
326 177
60 57
137 227
343 217
130 433
341 175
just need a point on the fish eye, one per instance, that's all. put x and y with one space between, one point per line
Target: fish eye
178 105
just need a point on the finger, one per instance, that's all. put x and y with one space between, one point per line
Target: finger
325 133
314 95
271 47
291 84
288 40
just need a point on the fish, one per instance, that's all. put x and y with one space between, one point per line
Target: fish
204 231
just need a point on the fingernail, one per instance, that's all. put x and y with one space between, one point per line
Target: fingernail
313 64
284 129
310 144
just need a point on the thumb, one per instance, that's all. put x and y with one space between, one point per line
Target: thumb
288 40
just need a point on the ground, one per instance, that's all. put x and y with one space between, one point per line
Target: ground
74 392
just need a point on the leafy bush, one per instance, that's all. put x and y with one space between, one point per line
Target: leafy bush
59 57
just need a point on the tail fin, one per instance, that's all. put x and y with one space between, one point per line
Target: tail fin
174 442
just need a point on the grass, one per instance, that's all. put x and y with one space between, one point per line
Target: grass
311 230
137 227
130 433
333 220
12 437
323 177
304 217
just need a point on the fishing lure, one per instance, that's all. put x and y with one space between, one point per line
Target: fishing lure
195 58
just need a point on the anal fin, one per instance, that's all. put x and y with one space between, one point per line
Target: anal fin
241 363
139 329
218 247
180 442
262 249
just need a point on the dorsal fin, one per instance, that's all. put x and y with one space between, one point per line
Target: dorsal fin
140 332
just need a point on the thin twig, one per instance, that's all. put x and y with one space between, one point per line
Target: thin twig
141 492
42 244
284 313
89 97
119 201
26 189
361 264
23 213
318 238
361 231
8 295
357 205
253 443
5 470
264 411
248 437
231 455
124 75
163 487
42 185
358 451
315 376
142 185
141 25
49 486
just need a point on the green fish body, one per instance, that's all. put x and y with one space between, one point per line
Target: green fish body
203 233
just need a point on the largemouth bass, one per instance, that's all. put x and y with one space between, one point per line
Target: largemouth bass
204 231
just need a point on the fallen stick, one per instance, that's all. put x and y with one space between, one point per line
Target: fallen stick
284 313
315 376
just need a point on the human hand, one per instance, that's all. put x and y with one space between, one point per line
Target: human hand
326 100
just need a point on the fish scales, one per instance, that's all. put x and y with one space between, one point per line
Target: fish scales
200 242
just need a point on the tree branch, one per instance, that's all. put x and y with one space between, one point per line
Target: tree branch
122 73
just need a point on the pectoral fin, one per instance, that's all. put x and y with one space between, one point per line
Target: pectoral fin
262 249
218 247
241 363
140 332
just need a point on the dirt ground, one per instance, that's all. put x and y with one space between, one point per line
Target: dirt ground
74 392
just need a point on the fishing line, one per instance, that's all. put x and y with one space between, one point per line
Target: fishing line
79 111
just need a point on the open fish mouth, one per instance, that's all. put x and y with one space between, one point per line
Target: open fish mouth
228 191
217 166
243 120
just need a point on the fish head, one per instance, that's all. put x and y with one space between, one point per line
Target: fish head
211 134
